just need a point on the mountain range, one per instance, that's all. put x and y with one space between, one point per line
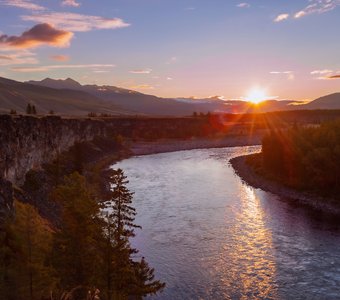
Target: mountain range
69 97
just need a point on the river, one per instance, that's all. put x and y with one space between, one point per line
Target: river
210 236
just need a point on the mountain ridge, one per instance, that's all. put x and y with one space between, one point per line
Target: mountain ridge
69 97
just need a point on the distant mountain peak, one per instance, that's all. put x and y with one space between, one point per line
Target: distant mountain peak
67 83
71 80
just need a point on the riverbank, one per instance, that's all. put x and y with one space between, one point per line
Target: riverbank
312 201
171 145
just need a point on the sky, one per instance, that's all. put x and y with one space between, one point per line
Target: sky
285 49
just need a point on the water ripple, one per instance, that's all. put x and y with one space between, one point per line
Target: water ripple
210 236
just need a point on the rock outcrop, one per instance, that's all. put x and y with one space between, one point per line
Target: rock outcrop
28 142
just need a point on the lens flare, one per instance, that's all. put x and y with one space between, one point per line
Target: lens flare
257 95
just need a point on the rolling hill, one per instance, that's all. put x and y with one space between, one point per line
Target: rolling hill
331 101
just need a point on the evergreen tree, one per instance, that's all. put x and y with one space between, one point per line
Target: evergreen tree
76 243
145 280
26 273
125 277
34 111
29 109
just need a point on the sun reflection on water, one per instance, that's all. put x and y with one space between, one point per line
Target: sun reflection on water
247 262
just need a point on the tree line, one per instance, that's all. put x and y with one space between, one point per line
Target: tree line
89 256
305 157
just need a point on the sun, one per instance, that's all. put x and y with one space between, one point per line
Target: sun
257 95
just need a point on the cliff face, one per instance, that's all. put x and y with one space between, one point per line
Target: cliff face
28 142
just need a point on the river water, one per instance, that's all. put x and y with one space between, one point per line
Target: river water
211 236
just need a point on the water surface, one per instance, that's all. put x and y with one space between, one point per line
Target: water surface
210 236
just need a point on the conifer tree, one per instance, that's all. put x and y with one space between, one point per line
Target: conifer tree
29 109
126 277
34 111
26 272
76 243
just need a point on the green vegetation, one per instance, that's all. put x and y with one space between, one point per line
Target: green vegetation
305 158
26 243
88 256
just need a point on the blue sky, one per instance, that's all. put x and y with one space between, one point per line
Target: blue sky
172 48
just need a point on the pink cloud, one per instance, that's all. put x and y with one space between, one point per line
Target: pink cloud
76 22
38 35
73 3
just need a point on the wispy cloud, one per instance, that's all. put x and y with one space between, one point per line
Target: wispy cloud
60 57
281 72
18 58
141 71
321 72
5 57
24 4
317 6
281 17
243 5
290 74
57 67
314 7
325 74
72 3
76 22
38 35
101 71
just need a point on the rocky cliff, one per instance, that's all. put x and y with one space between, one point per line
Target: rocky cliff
28 142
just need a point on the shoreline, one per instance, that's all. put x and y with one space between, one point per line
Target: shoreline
315 202
168 145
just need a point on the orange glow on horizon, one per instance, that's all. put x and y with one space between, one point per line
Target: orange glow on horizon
257 95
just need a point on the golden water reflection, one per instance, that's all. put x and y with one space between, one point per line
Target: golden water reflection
247 262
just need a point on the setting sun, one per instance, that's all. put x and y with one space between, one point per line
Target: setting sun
257 95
